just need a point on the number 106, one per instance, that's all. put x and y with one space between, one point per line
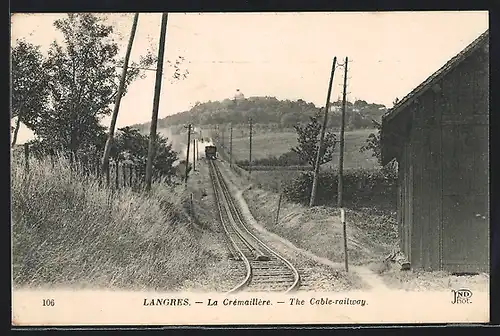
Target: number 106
48 302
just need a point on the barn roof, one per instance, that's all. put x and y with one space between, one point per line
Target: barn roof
432 79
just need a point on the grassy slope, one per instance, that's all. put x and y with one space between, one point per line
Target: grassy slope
371 233
67 231
372 230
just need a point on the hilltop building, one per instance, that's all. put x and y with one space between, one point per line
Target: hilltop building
239 95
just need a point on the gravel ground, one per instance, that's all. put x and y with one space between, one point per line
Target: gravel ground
428 281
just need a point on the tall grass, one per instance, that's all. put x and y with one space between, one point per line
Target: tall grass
69 231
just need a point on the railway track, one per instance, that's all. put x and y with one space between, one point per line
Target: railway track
266 270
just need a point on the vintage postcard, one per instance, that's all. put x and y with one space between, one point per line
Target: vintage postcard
249 168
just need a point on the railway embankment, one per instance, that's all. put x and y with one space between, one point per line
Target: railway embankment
221 273
317 233
317 273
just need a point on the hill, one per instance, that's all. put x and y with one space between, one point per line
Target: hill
276 114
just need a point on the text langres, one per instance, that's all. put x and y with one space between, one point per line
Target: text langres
167 302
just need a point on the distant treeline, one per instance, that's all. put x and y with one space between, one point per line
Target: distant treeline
270 111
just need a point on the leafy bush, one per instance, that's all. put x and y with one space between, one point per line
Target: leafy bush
359 185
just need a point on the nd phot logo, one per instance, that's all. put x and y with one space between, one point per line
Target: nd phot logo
461 296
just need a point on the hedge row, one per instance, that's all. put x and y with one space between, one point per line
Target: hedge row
286 159
359 185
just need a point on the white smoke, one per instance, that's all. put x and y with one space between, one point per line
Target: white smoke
199 144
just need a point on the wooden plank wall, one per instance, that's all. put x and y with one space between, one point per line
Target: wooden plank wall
444 172
428 183
464 235
417 165
435 178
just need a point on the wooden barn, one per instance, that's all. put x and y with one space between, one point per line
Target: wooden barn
438 134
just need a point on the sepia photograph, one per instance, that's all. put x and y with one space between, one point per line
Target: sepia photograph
249 168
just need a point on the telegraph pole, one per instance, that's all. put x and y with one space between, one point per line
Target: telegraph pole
187 154
322 136
341 167
231 147
342 127
194 154
111 132
156 101
222 140
197 150
250 153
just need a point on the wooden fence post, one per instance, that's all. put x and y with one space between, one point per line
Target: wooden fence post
278 211
97 171
130 171
138 172
107 175
124 175
117 170
192 205
26 157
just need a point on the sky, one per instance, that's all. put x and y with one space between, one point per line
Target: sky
286 55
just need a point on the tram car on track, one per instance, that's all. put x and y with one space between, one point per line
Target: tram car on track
211 152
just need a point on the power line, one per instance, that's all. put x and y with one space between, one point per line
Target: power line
244 62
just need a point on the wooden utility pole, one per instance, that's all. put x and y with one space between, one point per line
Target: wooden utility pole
197 150
322 136
194 154
111 132
342 219
342 127
156 101
250 152
187 154
231 146
341 167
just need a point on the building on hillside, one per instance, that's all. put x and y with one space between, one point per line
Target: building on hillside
439 136
239 95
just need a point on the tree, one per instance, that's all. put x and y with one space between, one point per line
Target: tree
29 84
360 104
82 82
131 145
308 140
372 143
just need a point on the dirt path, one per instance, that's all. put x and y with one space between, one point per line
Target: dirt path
373 280
366 266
